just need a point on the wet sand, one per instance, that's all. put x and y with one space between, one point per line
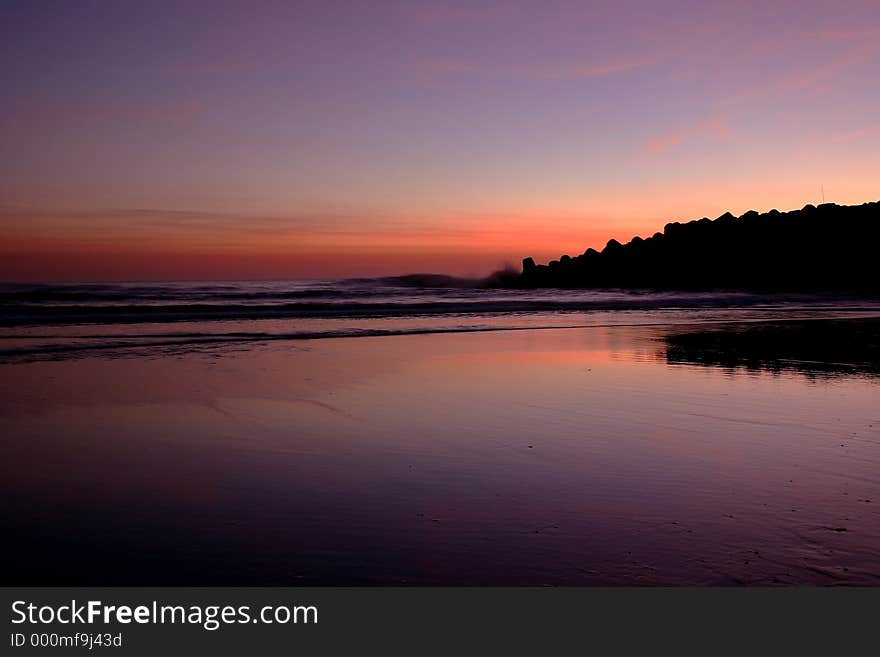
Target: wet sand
596 456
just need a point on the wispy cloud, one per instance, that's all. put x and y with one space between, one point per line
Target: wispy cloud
432 14
177 111
596 69
556 71
847 34
180 112
812 78
716 126
856 135
172 229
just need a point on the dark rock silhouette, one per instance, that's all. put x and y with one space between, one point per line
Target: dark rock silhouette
829 247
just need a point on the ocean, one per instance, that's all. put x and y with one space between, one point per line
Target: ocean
67 320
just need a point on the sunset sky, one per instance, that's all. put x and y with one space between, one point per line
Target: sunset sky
218 140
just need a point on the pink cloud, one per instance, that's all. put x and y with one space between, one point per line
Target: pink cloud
575 71
859 134
432 14
173 113
598 70
715 126
848 34
813 78
170 112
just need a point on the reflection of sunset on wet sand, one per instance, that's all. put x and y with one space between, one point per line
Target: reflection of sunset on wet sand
530 457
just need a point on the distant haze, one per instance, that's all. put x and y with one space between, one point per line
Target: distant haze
168 140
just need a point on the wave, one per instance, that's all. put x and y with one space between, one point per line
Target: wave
162 313
352 289
425 299
428 281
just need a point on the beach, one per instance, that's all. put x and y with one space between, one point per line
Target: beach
611 453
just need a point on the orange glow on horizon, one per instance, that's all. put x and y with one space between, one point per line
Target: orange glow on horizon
68 245
63 247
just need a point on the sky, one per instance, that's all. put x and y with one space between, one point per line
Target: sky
219 140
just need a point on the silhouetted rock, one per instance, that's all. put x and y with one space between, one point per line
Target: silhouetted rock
612 246
830 247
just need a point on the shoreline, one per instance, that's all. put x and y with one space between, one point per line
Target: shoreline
117 344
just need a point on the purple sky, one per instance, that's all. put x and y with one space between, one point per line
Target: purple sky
371 137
